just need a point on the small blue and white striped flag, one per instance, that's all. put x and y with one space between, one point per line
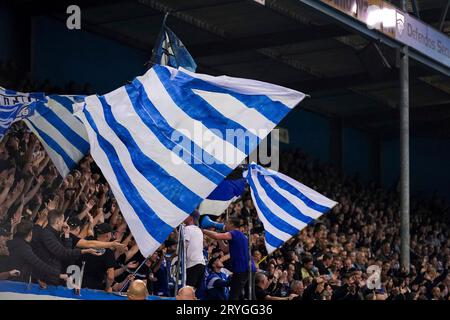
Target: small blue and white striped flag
284 206
63 135
161 145
15 106
170 51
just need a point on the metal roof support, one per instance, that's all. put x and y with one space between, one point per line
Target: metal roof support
415 8
404 155
444 16
373 34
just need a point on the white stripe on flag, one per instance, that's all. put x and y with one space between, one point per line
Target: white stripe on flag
42 124
150 145
235 110
65 133
286 96
179 120
165 209
146 242
283 207
277 209
70 120
56 158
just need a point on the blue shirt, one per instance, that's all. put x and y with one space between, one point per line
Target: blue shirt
161 286
217 286
239 252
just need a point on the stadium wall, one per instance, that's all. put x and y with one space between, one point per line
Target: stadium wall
356 154
14 36
308 131
64 55
430 159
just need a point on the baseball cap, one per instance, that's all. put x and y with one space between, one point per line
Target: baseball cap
74 222
212 260
102 228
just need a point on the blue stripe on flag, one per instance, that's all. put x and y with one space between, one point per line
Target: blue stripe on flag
198 109
308 202
228 189
153 119
156 227
276 221
282 202
55 146
169 186
272 110
272 240
66 102
73 137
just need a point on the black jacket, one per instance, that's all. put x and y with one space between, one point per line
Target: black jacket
22 258
51 250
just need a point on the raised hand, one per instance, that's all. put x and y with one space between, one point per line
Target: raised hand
10 180
90 218
41 179
118 245
90 205
53 204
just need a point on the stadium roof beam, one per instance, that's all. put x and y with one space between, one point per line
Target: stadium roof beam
185 17
373 34
444 16
266 40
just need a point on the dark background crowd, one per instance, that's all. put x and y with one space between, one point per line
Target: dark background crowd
48 223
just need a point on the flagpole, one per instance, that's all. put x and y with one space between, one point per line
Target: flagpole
181 256
134 273
250 282
177 277
183 247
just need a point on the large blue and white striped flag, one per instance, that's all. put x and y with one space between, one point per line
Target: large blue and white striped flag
284 206
162 144
15 106
63 135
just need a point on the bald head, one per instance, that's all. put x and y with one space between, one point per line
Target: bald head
137 290
186 293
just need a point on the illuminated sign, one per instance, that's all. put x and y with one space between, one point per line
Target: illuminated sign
399 25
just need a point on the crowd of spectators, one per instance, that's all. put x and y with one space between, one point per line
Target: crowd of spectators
12 77
56 222
48 223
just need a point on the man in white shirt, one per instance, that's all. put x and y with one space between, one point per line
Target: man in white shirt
195 261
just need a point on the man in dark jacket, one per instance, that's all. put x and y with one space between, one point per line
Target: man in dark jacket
51 250
350 290
22 258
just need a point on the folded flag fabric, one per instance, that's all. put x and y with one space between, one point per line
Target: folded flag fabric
284 206
226 192
15 106
159 142
63 135
170 51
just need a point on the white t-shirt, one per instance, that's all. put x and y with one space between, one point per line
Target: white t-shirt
193 240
